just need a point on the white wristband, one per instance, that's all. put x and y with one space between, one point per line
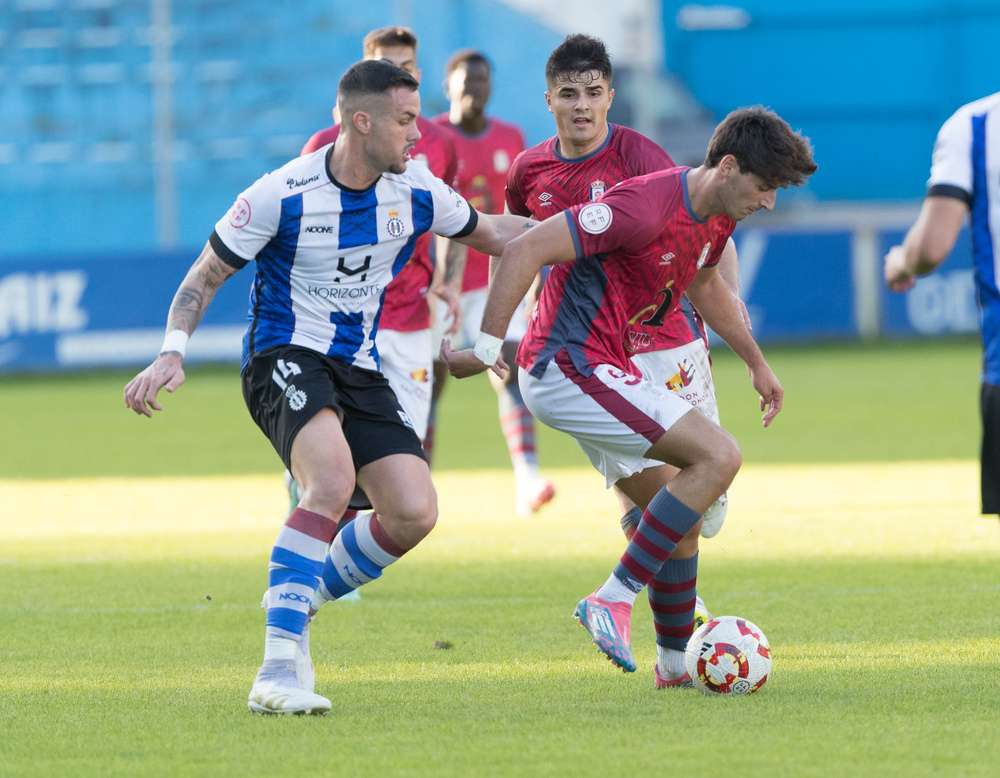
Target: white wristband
176 340
487 348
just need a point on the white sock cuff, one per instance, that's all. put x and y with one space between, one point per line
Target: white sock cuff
367 543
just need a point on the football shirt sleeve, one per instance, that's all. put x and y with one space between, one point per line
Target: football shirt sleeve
628 216
512 194
951 167
649 158
252 221
453 216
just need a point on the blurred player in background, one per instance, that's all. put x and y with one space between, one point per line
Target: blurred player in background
587 157
328 231
965 179
486 148
626 258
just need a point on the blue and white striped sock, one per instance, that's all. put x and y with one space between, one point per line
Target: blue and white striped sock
296 564
359 554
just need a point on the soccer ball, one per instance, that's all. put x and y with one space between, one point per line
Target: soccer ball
728 655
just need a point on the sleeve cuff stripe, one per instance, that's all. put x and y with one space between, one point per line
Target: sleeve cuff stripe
469 226
226 254
950 190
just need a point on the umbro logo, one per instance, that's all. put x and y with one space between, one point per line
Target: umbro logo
545 198
665 259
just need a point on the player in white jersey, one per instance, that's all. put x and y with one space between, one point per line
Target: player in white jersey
328 231
965 180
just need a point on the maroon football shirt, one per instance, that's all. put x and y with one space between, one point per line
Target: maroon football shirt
638 248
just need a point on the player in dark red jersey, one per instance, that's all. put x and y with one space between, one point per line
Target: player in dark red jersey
486 147
587 157
578 375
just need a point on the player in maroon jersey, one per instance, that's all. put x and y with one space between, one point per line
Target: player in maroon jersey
586 157
578 375
486 147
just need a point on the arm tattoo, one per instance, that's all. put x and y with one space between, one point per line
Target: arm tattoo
196 292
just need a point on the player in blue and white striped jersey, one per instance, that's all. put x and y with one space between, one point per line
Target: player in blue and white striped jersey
325 252
965 180
328 232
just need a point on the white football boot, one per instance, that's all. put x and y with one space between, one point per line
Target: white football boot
712 521
277 690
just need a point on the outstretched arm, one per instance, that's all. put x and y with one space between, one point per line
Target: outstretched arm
494 231
193 296
717 306
927 244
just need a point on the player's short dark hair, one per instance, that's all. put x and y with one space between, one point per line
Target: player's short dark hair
385 37
763 144
372 77
463 58
577 57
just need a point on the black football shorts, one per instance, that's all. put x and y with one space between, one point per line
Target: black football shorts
285 386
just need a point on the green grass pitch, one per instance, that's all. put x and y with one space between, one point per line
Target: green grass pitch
853 540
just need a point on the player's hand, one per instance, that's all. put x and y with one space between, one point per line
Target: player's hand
452 298
165 372
897 277
462 364
770 390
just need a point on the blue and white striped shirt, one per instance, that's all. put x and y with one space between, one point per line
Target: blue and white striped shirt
966 165
326 253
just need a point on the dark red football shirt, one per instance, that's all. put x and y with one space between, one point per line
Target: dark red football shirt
483 162
638 248
405 307
542 182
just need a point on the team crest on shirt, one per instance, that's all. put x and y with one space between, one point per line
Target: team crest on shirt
704 254
501 161
395 225
597 189
595 218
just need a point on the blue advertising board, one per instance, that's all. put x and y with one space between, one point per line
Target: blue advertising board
797 285
75 312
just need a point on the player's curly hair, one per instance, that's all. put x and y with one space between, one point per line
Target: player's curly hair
463 58
763 144
577 57
385 37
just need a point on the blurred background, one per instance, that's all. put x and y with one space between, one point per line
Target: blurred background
128 128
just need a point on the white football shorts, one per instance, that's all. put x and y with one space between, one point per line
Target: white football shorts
613 416
408 364
686 371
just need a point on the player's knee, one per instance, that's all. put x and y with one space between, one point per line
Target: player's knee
329 495
729 459
725 461
416 517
